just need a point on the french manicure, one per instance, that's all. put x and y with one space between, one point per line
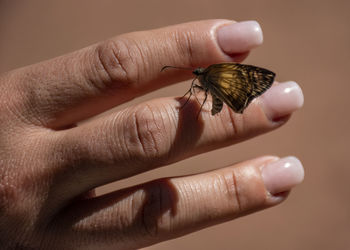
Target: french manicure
239 37
282 99
282 175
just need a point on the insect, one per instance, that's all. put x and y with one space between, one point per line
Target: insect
231 83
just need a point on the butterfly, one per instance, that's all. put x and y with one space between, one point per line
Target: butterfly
232 83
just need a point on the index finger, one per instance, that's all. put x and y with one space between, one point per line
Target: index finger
79 85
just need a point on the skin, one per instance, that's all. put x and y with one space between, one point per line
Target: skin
50 166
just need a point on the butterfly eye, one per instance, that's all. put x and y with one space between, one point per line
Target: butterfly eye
198 71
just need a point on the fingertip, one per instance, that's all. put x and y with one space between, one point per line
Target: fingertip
282 175
239 37
282 100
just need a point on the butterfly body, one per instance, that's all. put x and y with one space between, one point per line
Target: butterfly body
233 83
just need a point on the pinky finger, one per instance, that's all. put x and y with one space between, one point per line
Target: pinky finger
168 208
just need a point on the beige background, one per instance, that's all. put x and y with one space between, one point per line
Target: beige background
305 41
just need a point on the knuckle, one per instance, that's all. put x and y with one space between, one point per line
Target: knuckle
244 189
231 189
158 200
7 193
16 201
13 102
23 174
148 133
115 64
151 211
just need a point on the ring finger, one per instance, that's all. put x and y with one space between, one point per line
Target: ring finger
171 207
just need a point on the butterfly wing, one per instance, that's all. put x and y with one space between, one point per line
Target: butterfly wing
236 84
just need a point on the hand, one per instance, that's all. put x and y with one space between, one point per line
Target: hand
49 165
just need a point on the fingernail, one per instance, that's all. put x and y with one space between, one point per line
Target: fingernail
282 175
239 37
282 99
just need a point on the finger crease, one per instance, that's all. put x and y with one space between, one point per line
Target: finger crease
155 144
104 66
121 64
143 60
236 192
138 133
232 121
189 47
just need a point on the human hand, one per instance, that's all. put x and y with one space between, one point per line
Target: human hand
49 165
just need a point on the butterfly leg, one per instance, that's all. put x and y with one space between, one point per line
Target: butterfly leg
198 87
189 91
205 99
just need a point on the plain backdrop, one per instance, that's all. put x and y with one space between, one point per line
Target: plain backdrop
305 41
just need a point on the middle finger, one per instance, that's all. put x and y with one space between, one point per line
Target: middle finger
160 132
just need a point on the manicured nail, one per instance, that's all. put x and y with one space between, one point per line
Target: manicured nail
282 175
282 99
239 37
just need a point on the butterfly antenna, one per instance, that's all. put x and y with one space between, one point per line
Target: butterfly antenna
174 67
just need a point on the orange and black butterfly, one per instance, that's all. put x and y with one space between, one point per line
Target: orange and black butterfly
231 83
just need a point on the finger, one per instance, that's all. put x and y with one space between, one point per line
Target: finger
160 132
169 208
79 85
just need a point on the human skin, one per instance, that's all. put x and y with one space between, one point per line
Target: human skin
50 166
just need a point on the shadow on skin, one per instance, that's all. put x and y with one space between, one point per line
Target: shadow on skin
189 128
134 216
142 206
